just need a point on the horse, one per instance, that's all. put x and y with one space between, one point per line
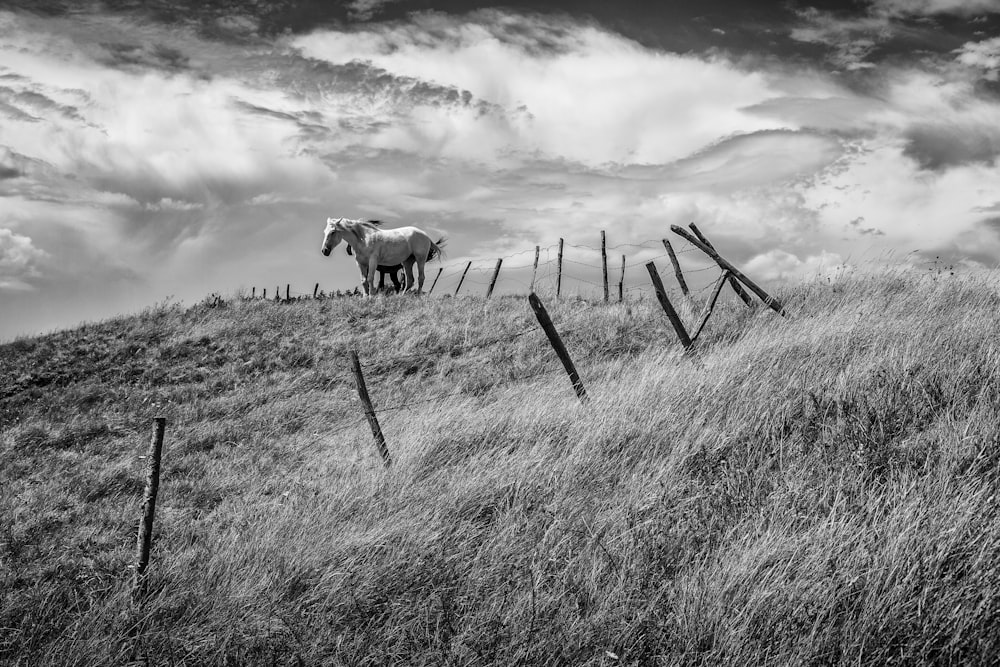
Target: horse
393 271
374 246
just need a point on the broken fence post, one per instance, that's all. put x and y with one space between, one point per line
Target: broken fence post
366 402
677 267
493 282
546 323
740 292
144 542
661 295
462 279
771 302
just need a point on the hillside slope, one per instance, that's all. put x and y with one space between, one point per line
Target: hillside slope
816 489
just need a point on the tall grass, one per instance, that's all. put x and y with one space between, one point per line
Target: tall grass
820 489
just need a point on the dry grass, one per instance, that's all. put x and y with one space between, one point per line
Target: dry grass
816 490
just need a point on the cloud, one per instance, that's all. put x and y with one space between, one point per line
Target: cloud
983 55
783 266
18 261
930 7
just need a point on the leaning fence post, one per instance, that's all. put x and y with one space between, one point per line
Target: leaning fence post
534 271
621 283
493 281
435 280
315 290
462 279
145 539
771 302
559 270
604 263
546 322
668 308
366 402
740 292
677 267
711 304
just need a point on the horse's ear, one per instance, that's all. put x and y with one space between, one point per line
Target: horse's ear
349 251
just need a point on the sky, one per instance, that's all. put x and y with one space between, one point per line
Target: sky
154 152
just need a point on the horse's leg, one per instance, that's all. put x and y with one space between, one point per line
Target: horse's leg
395 279
420 274
363 269
370 278
408 270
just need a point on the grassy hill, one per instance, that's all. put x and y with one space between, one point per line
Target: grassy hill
820 489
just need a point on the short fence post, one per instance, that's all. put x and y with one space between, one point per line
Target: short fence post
559 270
493 281
145 539
315 290
668 308
771 302
265 294
546 322
534 271
677 267
435 280
710 305
462 279
277 293
621 283
253 293
288 292
604 263
366 402
732 281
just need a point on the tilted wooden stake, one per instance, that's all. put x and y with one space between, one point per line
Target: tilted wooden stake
677 267
711 304
740 292
145 539
771 302
315 290
493 281
366 402
534 270
546 322
661 295
462 279
435 280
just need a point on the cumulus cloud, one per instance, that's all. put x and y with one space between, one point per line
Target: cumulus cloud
983 55
930 7
783 266
18 261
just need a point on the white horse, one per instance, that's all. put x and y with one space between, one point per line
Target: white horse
373 247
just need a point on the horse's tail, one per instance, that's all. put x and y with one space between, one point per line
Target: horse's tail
436 251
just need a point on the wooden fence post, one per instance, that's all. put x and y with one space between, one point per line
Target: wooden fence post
315 290
668 308
144 542
366 402
710 305
493 281
621 283
677 267
771 302
534 271
462 279
559 270
288 292
265 294
435 280
604 263
277 293
740 292
253 293
546 322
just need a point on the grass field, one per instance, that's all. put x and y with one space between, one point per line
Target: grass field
820 489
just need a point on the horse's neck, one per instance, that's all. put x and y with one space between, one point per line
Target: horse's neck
355 236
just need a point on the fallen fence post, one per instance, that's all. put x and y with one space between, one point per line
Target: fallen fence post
771 302
462 279
435 280
710 305
546 322
493 281
677 267
661 295
144 542
604 263
534 271
366 401
315 290
559 270
621 283
740 292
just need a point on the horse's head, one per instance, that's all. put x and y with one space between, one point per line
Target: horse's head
331 237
